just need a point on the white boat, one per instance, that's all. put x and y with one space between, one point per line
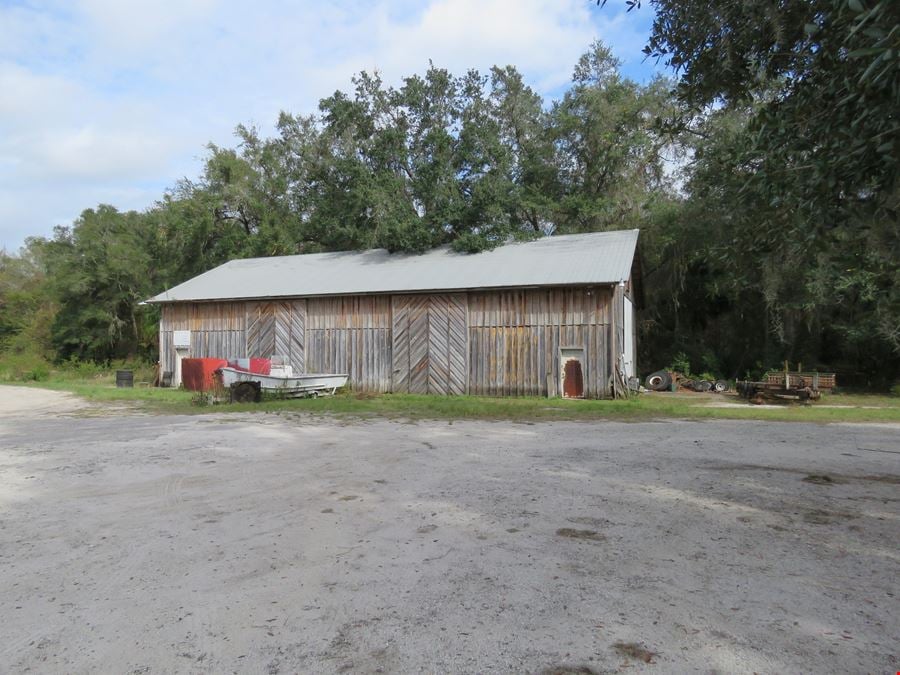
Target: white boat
246 386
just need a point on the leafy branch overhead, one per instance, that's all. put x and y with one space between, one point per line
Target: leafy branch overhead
794 185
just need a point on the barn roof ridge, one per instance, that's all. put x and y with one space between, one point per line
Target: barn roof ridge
559 260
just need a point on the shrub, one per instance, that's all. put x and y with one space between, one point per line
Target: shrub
39 373
23 366
681 364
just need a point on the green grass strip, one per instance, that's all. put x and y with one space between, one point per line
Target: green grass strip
833 408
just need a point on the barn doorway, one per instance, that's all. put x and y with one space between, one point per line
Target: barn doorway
429 353
572 373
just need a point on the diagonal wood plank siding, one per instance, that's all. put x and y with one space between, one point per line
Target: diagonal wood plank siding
430 344
418 344
297 339
457 344
438 344
400 343
496 343
260 329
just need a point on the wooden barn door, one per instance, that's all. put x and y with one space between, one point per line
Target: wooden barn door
260 330
277 328
430 348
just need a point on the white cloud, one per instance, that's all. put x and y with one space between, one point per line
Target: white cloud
140 27
112 100
31 98
57 130
538 36
90 152
60 205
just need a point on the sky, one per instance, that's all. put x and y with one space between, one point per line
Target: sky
113 101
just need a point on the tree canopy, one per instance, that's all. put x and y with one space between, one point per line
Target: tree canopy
763 179
792 108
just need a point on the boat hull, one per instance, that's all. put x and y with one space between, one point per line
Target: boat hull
297 384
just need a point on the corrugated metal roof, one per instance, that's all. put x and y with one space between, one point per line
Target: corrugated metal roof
595 258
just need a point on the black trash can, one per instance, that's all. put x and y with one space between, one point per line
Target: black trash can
124 378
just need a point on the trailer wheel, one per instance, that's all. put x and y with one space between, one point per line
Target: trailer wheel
246 392
720 386
659 381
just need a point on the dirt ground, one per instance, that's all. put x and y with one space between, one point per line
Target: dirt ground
276 544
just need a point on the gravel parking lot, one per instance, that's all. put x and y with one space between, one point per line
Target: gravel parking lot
277 544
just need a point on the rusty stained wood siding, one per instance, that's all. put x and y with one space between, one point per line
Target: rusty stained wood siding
351 335
515 339
429 340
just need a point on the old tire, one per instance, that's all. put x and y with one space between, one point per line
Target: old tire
720 386
245 392
658 381
704 385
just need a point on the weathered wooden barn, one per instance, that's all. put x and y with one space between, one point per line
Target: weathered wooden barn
554 316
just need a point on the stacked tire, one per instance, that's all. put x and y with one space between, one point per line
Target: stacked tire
661 380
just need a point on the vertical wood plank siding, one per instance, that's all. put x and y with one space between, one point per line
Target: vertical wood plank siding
495 343
351 335
217 329
516 336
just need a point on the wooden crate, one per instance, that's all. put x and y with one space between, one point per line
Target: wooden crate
821 381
